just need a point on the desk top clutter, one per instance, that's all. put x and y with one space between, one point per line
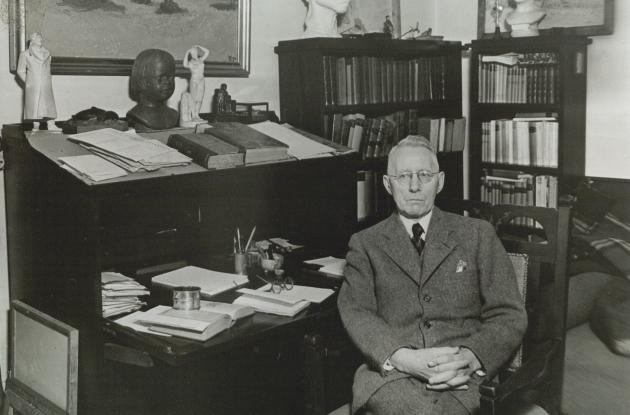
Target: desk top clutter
108 153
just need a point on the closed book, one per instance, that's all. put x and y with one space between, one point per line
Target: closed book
191 324
207 150
256 146
210 282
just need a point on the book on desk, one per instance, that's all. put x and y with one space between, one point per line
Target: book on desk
256 146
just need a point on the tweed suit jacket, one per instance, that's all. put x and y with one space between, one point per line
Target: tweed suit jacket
460 292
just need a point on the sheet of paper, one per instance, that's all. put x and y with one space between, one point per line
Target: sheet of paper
132 321
300 147
329 265
93 167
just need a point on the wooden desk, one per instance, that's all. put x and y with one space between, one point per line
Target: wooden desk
63 231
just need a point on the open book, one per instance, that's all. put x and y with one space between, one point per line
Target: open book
191 324
284 303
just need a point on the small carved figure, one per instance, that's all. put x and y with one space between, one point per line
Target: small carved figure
388 26
187 111
525 18
321 17
34 71
221 100
194 60
152 83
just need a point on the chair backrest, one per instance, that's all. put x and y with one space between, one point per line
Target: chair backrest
536 239
43 366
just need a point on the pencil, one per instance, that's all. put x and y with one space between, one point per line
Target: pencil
238 237
251 235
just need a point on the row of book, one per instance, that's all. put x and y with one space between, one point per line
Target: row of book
352 80
375 136
518 81
371 195
520 188
521 141
230 144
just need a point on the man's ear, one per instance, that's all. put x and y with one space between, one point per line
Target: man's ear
441 176
387 184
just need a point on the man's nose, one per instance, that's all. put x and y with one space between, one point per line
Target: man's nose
415 184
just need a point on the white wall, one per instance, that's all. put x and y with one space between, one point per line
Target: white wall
608 91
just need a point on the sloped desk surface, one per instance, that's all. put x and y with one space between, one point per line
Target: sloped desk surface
54 145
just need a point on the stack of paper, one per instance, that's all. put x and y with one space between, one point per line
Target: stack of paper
329 265
92 167
284 303
210 282
300 146
120 294
129 150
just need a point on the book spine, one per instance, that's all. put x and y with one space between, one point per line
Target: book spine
198 153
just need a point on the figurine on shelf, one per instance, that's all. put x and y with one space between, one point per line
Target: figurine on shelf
151 84
194 60
525 18
221 100
321 17
388 26
34 71
187 111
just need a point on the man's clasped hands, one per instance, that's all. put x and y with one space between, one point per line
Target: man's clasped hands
443 368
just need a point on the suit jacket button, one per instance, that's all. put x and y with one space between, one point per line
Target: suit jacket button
427 298
427 324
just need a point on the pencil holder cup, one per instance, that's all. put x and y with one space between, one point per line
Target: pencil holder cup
186 298
240 263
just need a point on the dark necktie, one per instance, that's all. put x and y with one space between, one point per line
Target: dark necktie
417 231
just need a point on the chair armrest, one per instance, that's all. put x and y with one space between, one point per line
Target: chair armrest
530 373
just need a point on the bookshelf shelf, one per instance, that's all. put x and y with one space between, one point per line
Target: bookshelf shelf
326 82
521 167
527 77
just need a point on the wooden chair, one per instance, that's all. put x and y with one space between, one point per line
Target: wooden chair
43 365
537 241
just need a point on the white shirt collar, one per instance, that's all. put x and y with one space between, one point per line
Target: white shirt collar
423 221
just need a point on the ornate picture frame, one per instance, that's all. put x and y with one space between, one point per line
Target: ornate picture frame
92 45
572 17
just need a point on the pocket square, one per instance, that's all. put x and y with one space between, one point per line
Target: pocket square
461 266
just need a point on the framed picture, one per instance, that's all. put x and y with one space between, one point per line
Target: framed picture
576 17
90 37
369 16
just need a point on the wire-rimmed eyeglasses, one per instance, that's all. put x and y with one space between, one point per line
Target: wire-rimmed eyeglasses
424 176
278 284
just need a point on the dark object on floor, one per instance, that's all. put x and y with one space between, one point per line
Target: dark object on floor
92 119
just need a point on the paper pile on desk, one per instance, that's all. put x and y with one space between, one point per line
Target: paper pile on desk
286 302
129 150
329 265
120 294
300 146
91 166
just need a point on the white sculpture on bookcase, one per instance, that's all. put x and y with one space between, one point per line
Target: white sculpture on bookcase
525 18
321 17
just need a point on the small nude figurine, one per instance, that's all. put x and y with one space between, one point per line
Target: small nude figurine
525 18
321 17
34 71
193 60
151 84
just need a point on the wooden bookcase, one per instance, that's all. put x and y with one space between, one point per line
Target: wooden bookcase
323 79
542 76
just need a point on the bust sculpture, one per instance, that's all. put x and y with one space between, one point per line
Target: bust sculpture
321 17
151 84
525 18
34 71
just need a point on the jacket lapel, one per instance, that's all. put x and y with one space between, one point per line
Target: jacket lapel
398 246
438 245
